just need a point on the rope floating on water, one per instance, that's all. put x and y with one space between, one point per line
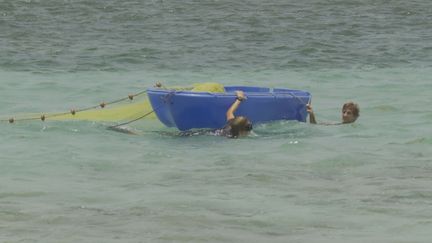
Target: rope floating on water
136 119
73 112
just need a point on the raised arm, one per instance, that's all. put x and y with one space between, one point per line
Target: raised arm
230 113
311 114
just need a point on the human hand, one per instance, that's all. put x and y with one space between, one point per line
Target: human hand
309 109
240 95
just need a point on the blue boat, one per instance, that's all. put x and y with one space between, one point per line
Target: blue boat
189 109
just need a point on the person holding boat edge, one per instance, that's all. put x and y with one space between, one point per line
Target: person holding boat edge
350 113
236 126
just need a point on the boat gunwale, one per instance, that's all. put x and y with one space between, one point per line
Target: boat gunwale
272 92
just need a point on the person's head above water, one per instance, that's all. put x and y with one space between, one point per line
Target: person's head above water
237 126
350 112
240 126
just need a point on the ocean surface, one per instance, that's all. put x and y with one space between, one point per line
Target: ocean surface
76 181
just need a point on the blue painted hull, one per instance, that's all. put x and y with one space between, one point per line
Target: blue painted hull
187 110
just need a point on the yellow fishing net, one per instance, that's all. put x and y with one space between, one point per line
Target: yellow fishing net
120 112
208 87
123 110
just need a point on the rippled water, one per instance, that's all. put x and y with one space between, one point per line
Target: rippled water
289 182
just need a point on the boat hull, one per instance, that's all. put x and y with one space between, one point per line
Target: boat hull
187 110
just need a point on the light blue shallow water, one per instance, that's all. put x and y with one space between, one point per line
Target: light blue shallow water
288 182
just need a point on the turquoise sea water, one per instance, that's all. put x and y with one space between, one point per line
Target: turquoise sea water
288 182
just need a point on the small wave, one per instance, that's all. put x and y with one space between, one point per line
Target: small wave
385 108
420 141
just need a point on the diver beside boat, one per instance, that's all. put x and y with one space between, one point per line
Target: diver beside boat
237 126
350 113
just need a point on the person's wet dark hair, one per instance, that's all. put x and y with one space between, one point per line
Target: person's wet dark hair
239 125
353 107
